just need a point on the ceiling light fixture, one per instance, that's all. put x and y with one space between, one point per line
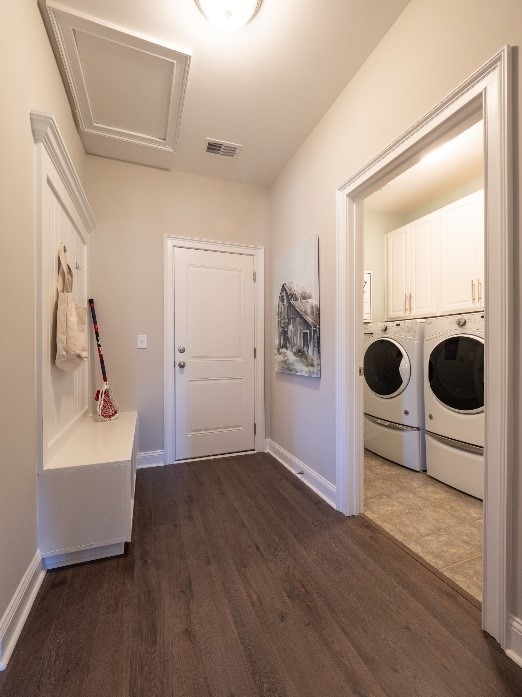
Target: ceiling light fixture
229 15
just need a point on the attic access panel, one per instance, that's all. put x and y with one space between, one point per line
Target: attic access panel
126 91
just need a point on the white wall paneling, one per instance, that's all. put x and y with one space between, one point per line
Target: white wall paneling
62 215
486 94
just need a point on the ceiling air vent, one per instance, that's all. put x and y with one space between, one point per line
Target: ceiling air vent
219 147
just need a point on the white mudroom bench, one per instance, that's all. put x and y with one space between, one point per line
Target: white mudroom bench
86 493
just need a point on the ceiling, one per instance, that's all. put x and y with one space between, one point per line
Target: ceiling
448 167
264 87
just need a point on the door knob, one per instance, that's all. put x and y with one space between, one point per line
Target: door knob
181 349
181 364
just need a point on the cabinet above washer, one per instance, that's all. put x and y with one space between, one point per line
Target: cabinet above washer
435 265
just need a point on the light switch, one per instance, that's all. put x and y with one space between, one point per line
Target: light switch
142 341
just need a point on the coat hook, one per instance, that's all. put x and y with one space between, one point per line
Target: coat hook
78 268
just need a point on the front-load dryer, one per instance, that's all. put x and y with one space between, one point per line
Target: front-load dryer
454 400
393 391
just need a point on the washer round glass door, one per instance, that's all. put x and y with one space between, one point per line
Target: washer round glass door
387 368
456 373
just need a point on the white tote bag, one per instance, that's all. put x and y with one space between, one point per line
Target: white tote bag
71 322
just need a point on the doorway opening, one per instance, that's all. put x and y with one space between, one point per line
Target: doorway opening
423 359
486 95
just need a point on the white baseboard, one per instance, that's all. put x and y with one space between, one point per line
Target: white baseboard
77 556
18 609
310 477
515 640
153 458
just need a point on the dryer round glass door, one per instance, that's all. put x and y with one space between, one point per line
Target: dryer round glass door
387 368
456 373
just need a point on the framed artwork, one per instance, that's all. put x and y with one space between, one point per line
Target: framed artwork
367 297
296 294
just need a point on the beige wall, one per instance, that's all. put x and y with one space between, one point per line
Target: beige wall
135 207
431 49
29 79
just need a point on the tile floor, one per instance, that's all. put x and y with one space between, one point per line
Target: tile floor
438 523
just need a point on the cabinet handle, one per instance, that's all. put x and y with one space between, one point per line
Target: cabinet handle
479 286
472 291
405 303
410 302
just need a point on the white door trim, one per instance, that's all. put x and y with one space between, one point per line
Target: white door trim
488 91
257 253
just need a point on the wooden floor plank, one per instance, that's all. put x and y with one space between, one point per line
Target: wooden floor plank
240 582
292 611
393 597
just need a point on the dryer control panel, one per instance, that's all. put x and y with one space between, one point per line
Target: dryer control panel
469 322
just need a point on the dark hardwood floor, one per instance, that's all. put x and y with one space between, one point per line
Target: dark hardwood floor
239 583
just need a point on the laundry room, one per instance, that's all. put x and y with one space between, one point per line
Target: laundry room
423 348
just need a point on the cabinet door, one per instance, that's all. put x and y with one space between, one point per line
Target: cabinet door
422 297
397 264
458 256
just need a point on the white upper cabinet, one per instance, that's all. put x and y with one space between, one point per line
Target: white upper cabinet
461 253
435 265
423 266
397 270
412 269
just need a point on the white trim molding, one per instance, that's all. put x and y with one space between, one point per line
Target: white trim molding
18 609
152 458
257 253
514 650
325 489
83 554
45 131
485 95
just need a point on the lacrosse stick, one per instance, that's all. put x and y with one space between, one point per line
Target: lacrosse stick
107 405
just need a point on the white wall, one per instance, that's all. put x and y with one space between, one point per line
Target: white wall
135 207
464 190
30 80
376 225
431 49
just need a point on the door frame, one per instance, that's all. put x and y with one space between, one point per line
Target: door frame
486 92
257 253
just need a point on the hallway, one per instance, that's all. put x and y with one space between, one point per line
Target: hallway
242 582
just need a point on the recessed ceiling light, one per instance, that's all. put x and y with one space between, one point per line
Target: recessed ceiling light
229 15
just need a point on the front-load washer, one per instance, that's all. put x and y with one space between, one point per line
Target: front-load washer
454 400
393 391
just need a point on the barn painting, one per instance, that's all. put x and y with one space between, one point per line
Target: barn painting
296 276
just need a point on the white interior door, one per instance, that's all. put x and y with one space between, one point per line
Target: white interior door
214 319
